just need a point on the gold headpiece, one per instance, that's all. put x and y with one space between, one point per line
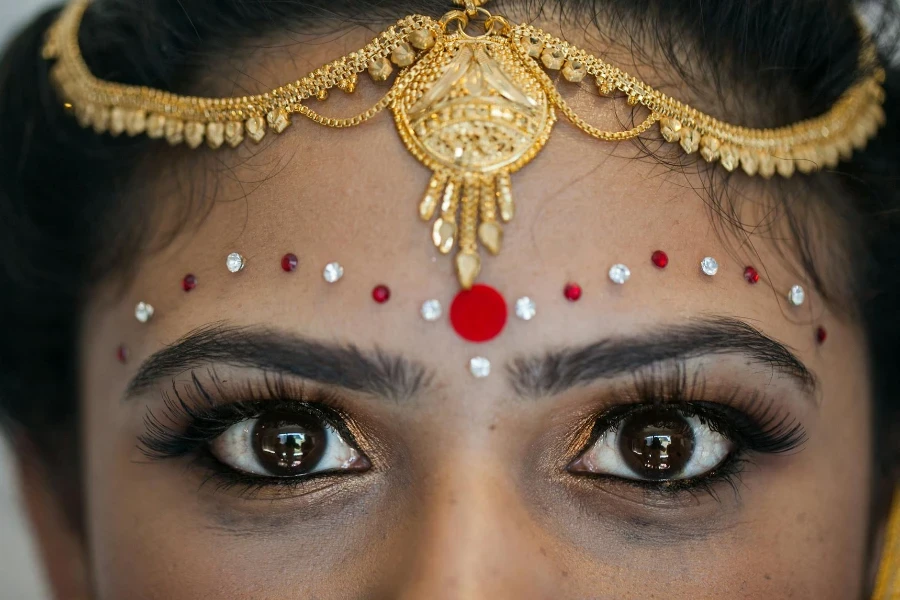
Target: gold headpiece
471 109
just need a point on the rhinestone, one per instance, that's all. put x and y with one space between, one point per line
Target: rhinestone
572 292
234 262
289 262
660 259
821 335
143 312
480 367
122 354
525 308
188 283
333 272
796 296
431 310
619 273
751 275
709 265
381 294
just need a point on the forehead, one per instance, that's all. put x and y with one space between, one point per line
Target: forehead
351 196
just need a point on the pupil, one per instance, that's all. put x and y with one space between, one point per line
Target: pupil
656 444
288 445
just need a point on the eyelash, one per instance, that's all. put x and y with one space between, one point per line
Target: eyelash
750 420
167 437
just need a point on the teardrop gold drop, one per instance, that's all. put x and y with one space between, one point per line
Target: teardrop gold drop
491 235
468 266
444 235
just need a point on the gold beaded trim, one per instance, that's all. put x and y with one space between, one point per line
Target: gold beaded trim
473 109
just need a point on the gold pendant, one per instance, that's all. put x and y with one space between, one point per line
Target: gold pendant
473 112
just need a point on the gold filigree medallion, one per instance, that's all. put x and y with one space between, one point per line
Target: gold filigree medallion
472 112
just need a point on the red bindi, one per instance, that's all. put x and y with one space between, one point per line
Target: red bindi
660 259
381 294
751 275
821 335
478 314
572 292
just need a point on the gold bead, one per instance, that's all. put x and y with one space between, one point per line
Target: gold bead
604 87
491 236
468 266
278 119
84 114
784 166
553 58
634 99
709 148
443 234
156 126
215 135
116 121
805 160
193 133
535 46
422 39
174 131
234 133
670 129
256 128
322 94
766 164
348 84
380 68
101 120
749 161
690 140
403 55
728 157
574 71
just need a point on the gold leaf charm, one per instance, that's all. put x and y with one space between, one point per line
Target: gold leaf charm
472 111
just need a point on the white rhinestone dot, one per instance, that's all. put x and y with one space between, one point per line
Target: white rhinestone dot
796 296
333 272
619 273
431 310
143 312
525 308
709 265
480 367
234 262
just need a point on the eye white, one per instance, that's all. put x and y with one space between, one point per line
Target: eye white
605 456
234 448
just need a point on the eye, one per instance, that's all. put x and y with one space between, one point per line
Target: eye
655 445
285 444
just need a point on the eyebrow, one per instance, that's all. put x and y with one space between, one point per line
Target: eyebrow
343 365
559 370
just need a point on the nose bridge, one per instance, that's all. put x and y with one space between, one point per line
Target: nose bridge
475 539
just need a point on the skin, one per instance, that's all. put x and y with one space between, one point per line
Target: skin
468 495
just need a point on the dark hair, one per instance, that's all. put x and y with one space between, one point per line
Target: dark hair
69 217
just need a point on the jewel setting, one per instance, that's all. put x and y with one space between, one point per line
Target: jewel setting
432 310
234 262
381 294
289 262
619 274
709 266
525 308
188 283
660 259
751 275
479 367
143 312
572 292
796 295
333 272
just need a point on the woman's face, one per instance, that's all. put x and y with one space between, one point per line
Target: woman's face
541 480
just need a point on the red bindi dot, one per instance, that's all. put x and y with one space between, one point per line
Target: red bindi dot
572 292
289 262
478 314
188 283
381 294
660 259
821 335
751 275
122 354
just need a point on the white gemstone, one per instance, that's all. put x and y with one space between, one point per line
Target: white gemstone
480 367
333 272
234 262
709 265
525 308
619 274
431 310
143 312
796 296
